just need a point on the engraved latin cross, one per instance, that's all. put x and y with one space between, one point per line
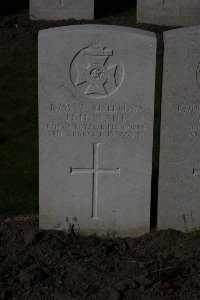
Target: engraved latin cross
95 171
196 172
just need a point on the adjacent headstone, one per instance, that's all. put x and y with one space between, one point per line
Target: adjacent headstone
96 106
61 9
179 183
169 12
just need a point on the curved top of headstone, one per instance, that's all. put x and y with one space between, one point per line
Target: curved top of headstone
95 27
181 31
96 107
169 12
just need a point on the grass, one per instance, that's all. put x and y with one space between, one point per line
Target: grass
162 267
195 232
18 132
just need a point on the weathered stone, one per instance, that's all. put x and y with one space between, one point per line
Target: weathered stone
96 106
61 9
169 12
179 182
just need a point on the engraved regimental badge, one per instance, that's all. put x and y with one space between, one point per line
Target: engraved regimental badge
96 71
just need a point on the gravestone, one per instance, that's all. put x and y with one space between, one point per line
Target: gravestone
179 183
169 12
61 9
96 106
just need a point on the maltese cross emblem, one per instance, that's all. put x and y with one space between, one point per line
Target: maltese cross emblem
93 71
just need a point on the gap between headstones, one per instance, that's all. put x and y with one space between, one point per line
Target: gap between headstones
156 132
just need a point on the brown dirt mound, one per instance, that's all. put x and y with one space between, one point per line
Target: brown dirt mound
36 264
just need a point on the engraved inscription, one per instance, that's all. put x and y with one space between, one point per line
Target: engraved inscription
99 108
196 172
198 76
96 120
96 130
95 171
170 4
194 131
96 71
188 108
185 109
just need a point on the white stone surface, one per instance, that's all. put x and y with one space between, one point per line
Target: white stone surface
179 183
61 9
96 106
169 12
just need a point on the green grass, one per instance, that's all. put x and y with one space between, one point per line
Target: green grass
18 131
195 232
162 266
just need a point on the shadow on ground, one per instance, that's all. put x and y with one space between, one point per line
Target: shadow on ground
105 8
10 7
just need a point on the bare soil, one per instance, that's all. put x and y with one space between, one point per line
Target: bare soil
62 265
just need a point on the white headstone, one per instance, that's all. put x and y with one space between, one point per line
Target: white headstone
169 12
96 106
179 183
61 9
